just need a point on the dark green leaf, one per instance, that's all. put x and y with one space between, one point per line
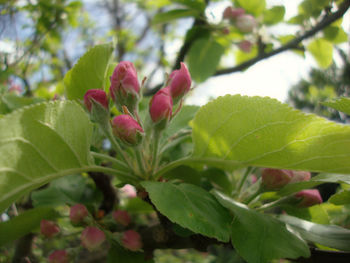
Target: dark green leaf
340 198
173 15
118 254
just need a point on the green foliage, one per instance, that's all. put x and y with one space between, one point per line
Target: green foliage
260 238
89 72
255 7
340 104
340 198
10 102
30 159
173 15
117 253
190 207
322 51
274 15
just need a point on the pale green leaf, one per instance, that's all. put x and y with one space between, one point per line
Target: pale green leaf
322 51
340 198
274 15
191 207
340 104
235 131
255 7
260 238
89 72
40 143
335 34
173 15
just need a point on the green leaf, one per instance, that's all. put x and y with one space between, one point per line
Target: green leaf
193 4
117 253
89 72
326 235
340 198
335 34
255 7
24 223
322 51
191 207
10 102
274 15
242 56
40 143
259 237
203 58
340 104
234 131
173 15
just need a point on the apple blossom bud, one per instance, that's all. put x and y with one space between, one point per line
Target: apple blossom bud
180 83
245 46
309 197
245 23
127 129
92 237
59 256
48 228
129 191
77 213
161 107
96 95
125 86
132 240
122 217
225 31
300 176
232 13
274 179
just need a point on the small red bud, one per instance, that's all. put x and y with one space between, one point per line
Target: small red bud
77 213
274 179
132 240
48 228
161 106
92 237
127 129
232 13
59 256
180 82
245 46
97 95
245 23
122 217
309 197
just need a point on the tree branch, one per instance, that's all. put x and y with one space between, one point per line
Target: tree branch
329 19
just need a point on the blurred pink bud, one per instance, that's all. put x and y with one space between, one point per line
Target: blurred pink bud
122 217
274 179
309 197
161 106
225 31
92 237
245 46
59 256
125 87
253 178
232 13
300 176
132 240
129 191
15 88
127 129
77 213
245 23
180 82
49 228
96 95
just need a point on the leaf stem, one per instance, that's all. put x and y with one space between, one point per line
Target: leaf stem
111 159
140 161
155 157
244 178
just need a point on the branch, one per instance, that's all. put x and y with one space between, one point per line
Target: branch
329 19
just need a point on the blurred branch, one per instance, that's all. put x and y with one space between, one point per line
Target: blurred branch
293 44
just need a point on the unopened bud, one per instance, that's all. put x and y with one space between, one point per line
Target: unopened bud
125 86
92 237
77 213
161 107
59 256
300 176
122 217
232 13
48 228
132 240
127 129
180 83
245 46
98 96
129 191
309 197
245 23
274 179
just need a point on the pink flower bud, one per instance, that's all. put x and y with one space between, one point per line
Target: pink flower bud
125 87
96 95
127 129
77 213
309 197
232 13
245 23
161 106
180 82
59 256
92 237
245 46
129 191
122 217
225 31
48 228
300 176
274 179
132 240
